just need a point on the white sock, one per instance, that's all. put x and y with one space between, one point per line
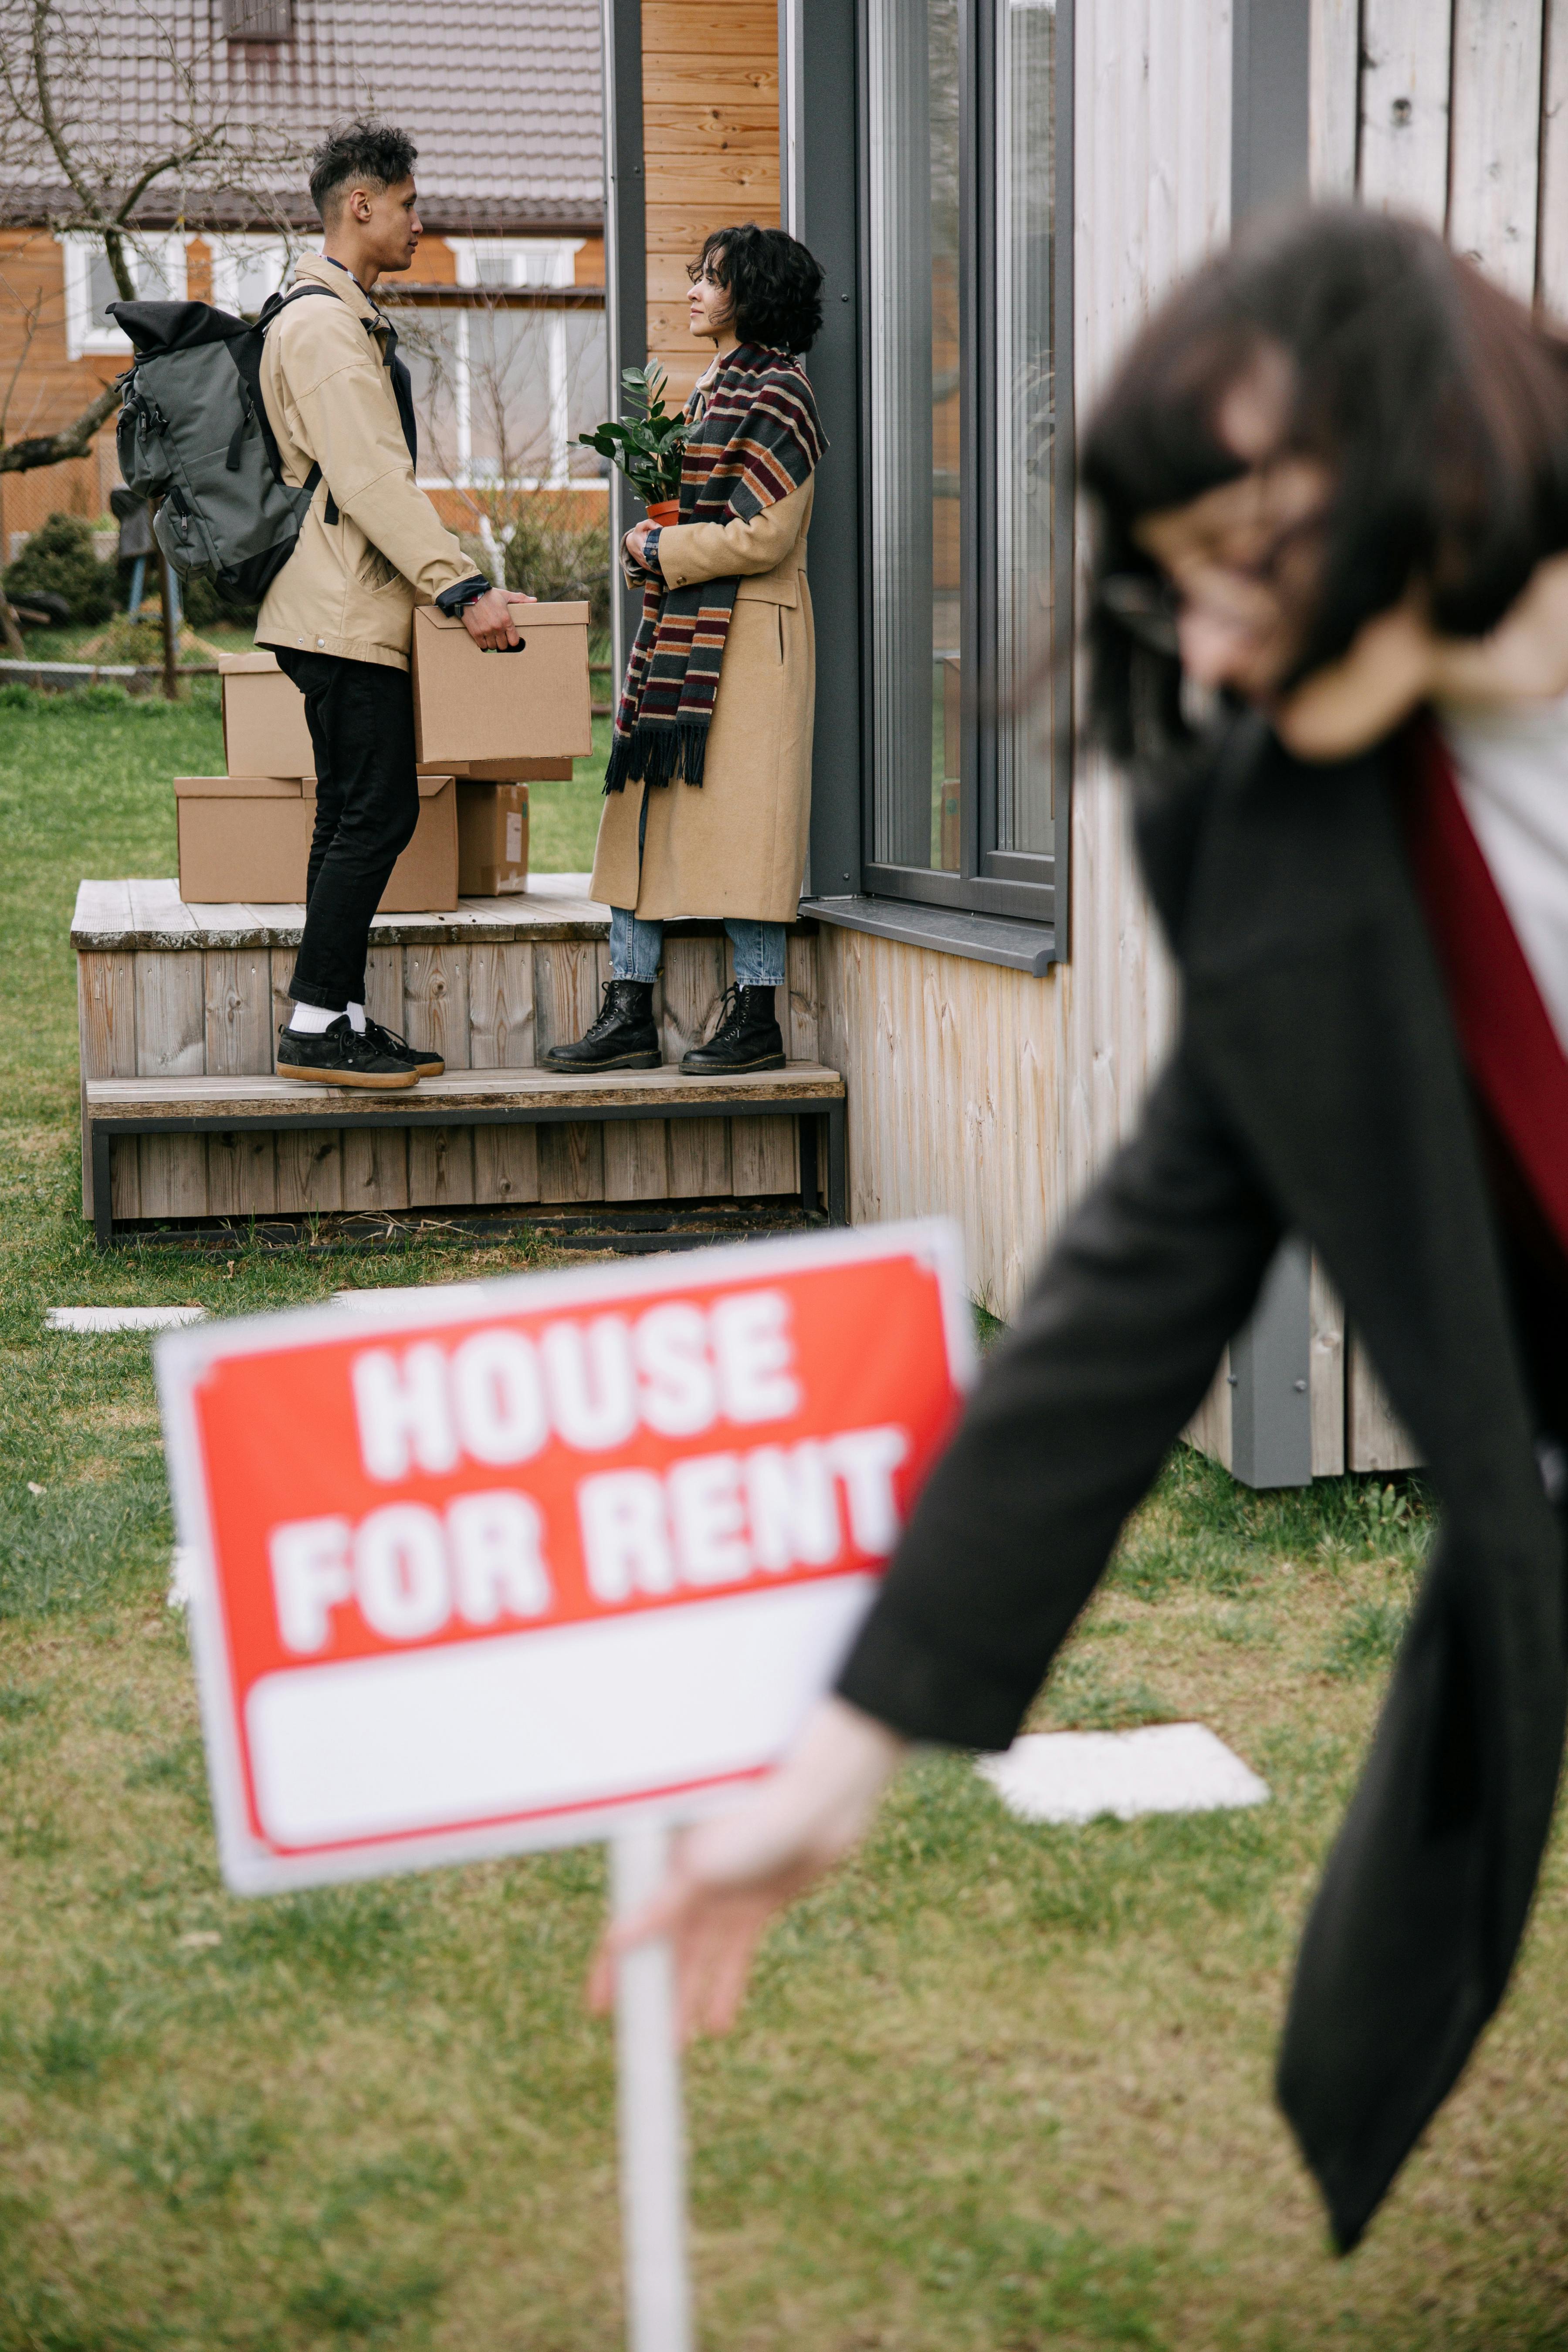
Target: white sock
356 1017
312 1020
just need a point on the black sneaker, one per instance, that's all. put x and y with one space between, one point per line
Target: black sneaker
425 1065
622 1038
342 1056
748 1037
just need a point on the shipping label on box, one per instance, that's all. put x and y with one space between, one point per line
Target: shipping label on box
493 839
532 703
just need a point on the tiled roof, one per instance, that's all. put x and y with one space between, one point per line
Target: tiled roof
502 96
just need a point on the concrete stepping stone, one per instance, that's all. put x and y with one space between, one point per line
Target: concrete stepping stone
1163 1767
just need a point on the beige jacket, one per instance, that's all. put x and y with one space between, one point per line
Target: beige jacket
736 846
349 588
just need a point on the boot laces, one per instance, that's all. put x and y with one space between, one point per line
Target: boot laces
731 1014
608 1014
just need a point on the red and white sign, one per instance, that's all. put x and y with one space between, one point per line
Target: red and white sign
512 1566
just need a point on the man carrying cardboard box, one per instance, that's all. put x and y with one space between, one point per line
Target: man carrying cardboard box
339 615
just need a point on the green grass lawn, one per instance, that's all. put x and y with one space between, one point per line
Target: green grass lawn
1001 2088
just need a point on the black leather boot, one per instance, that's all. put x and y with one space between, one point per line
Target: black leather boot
622 1038
747 1038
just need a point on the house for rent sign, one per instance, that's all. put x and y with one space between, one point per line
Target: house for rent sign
524 1564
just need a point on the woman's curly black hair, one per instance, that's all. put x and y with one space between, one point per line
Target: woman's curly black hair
776 284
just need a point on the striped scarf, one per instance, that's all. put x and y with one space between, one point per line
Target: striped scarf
757 438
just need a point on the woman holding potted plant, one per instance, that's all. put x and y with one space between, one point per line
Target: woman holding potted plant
707 792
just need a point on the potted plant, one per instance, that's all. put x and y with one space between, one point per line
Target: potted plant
649 447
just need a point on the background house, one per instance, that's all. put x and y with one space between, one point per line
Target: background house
504 310
1001 190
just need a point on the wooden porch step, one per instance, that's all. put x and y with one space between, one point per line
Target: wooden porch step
526 1102
649 1094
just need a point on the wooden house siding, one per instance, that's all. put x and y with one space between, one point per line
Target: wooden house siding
710 149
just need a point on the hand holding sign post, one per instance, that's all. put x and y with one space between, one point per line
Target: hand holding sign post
570 1557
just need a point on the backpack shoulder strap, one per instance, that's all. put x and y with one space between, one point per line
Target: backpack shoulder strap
270 309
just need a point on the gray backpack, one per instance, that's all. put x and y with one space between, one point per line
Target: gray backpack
193 433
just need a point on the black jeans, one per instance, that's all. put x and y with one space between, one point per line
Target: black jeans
360 716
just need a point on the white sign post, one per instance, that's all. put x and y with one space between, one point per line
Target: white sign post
545 1560
650 2111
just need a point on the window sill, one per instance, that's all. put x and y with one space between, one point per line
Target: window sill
945 930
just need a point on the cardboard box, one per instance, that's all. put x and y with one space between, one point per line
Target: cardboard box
531 704
503 772
247 839
493 839
244 838
264 728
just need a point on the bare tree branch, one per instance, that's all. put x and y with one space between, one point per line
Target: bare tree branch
73 440
53 66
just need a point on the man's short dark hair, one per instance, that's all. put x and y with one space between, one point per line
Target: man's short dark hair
369 153
774 283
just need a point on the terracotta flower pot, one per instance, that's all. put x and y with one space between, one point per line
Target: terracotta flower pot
665 512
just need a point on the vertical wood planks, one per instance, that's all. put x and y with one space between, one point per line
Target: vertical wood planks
1210 1429
699 1166
566 998
500 1006
236 983
105 1034
1494 160
383 987
1405 81
435 1016
1335 99
1552 255
242 1174
375 1168
1326 1375
1374 1437
506 1166
237 1012
171 1043
375 1161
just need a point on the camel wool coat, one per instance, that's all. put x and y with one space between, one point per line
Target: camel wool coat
735 845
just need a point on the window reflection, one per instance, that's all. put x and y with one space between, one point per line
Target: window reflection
924 543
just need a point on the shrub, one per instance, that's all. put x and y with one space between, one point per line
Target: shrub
58 560
553 556
206 606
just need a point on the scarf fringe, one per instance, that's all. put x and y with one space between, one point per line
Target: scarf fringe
656 753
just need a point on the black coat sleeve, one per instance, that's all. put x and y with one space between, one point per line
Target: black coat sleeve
1067 1429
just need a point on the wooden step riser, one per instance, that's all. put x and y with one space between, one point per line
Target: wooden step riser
215 1012
393 1168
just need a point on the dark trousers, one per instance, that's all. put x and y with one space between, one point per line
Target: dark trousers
360 716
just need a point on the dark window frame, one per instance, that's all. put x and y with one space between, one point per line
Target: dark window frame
1011 883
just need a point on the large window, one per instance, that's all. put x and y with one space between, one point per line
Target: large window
502 392
964 459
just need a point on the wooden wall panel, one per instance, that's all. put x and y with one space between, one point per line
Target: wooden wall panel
1335 99
710 149
1406 72
1495 150
1551 248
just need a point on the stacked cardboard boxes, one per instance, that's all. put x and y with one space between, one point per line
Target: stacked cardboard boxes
518 719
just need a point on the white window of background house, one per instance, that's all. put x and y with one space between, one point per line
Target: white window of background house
965 471
515 260
503 390
248 268
157 267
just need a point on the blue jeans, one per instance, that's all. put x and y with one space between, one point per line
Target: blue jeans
635 948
